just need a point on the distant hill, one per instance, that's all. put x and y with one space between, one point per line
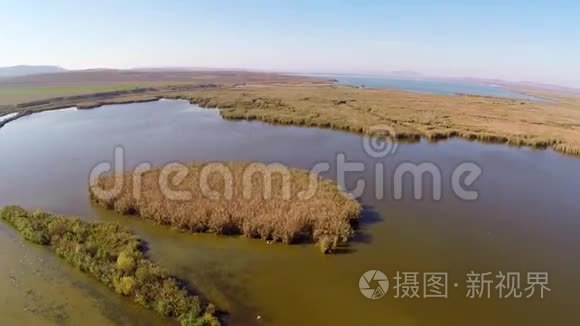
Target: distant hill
16 71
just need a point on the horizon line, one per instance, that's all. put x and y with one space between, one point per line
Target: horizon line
403 73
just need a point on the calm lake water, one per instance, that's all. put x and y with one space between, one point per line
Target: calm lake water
440 86
525 220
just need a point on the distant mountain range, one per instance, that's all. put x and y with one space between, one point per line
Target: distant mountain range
16 71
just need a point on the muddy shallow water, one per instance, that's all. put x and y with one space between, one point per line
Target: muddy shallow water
526 219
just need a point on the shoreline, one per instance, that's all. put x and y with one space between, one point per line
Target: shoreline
228 111
116 258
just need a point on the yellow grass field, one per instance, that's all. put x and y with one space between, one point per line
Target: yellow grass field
405 114
270 202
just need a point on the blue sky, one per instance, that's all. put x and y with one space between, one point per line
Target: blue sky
513 40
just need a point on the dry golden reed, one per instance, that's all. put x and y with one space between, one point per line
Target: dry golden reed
270 202
411 115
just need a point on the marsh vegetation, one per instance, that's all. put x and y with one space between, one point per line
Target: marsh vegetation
270 202
114 256
410 116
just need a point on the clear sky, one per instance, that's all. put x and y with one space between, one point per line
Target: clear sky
513 40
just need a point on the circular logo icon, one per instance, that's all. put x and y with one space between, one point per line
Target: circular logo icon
380 141
373 284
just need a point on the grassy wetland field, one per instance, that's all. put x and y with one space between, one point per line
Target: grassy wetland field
19 90
270 202
317 102
409 116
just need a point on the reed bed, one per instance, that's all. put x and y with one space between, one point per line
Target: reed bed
288 214
411 116
114 256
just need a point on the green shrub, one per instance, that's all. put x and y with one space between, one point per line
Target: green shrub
125 262
125 285
112 255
